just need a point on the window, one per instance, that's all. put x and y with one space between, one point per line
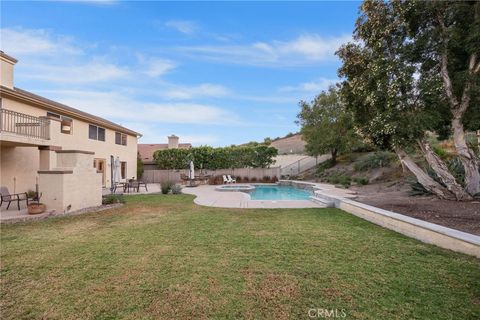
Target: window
123 169
96 133
53 115
65 122
121 138
66 125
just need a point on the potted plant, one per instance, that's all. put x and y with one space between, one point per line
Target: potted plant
35 207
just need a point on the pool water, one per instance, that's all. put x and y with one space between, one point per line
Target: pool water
262 192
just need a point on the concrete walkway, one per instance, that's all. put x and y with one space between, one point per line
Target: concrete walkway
207 196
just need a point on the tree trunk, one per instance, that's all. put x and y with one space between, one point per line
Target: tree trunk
459 106
442 172
423 178
467 157
334 156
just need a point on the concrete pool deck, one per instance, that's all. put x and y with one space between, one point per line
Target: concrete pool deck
206 195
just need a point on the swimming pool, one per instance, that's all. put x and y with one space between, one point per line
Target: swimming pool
278 192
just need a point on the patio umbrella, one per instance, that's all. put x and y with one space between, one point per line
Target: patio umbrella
116 170
191 172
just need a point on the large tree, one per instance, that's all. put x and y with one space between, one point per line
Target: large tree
327 127
403 76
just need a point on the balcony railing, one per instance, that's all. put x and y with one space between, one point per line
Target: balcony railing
24 124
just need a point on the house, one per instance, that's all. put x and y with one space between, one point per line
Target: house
68 152
146 151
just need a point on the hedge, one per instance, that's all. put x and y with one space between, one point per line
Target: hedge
216 158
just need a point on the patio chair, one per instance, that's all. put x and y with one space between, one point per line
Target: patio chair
225 180
5 196
230 180
133 184
184 177
142 183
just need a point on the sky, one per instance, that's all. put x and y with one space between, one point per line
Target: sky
213 73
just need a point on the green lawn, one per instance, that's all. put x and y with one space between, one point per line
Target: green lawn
162 257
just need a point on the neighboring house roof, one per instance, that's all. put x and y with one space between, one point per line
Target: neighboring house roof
44 103
146 150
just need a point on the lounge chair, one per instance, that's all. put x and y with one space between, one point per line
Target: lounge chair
5 196
230 180
225 180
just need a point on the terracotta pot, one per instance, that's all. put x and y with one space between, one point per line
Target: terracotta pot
36 208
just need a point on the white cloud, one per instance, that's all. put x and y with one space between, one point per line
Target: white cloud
158 134
315 86
123 107
202 90
303 50
156 67
183 26
18 41
92 71
46 56
313 46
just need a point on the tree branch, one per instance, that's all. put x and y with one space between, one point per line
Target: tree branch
447 82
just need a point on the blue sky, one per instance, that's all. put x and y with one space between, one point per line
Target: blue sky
215 73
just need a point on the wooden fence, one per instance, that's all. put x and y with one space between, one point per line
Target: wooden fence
158 176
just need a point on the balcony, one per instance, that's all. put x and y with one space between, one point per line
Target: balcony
22 129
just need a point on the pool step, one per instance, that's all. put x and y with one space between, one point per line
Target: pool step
325 202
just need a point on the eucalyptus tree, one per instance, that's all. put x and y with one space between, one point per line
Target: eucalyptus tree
413 69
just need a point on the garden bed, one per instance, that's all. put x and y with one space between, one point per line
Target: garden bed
463 216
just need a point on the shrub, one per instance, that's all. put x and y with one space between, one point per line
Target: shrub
327 164
374 160
440 152
266 179
339 179
361 180
456 169
176 189
246 179
211 180
239 179
416 189
113 198
31 194
274 179
254 179
219 180
362 146
166 186
139 167
260 156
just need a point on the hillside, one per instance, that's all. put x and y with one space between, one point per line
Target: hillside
290 145
379 180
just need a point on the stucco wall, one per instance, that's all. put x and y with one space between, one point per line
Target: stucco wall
23 162
6 73
73 185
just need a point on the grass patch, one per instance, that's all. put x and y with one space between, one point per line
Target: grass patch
162 257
